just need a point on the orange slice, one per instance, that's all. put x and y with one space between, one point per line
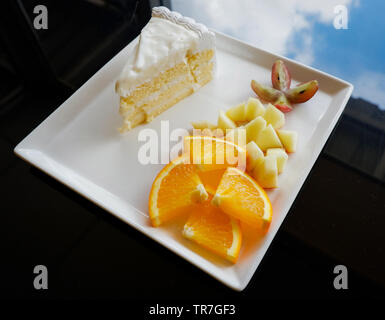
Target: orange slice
214 230
210 153
240 196
175 188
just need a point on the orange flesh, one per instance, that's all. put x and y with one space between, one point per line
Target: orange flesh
211 228
175 193
240 198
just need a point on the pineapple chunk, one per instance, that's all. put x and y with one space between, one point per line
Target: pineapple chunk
268 139
254 127
203 125
237 135
266 174
254 108
281 157
224 122
274 117
288 139
237 113
254 156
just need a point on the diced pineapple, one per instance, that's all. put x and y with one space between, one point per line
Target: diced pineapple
266 173
254 108
203 125
281 157
274 116
254 127
237 113
268 138
254 156
237 135
224 122
288 139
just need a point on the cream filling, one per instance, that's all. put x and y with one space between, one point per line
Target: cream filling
133 109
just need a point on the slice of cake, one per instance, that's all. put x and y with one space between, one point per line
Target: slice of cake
173 57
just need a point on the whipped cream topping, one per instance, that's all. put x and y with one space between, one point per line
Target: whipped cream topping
163 43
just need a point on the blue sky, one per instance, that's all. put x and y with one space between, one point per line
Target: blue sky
303 30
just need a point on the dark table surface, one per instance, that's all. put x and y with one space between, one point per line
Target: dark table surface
337 218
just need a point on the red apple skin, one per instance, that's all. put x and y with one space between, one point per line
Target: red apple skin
265 92
280 76
283 107
303 92
283 104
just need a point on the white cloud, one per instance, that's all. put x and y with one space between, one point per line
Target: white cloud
272 25
369 86
281 26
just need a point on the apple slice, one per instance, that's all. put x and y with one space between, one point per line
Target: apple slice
268 138
237 113
254 127
266 173
281 156
265 92
303 92
254 156
254 108
280 76
288 139
274 117
237 135
224 122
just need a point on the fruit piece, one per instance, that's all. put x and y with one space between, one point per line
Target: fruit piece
267 172
241 197
224 122
254 127
281 157
274 117
237 113
283 104
303 92
203 125
280 76
265 92
238 136
218 133
288 139
254 156
254 108
210 179
209 153
214 230
166 201
268 138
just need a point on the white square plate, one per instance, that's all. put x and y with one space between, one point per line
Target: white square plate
80 146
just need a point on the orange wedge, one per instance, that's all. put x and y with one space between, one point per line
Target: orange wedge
240 196
211 153
214 230
175 188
